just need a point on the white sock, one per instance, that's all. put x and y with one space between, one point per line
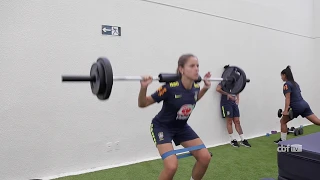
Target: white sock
191 178
283 136
231 138
241 136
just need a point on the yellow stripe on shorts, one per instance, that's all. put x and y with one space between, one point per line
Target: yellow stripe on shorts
152 134
223 113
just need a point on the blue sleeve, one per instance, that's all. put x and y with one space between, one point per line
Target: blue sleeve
286 88
161 94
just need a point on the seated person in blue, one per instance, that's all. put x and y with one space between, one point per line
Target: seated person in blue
170 124
230 111
295 102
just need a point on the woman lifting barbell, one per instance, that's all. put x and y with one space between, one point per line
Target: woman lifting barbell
179 99
295 101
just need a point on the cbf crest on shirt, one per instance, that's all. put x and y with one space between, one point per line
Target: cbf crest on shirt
178 102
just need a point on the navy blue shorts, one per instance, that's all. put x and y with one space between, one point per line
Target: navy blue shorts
230 111
301 109
161 134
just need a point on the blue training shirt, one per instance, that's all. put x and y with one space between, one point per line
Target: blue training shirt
294 89
225 101
178 103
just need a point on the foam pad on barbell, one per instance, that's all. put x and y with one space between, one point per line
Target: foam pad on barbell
171 77
238 77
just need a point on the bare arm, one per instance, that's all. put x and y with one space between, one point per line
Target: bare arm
287 102
219 89
144 100
238 98
287 92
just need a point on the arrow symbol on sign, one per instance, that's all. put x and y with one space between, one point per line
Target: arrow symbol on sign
105 29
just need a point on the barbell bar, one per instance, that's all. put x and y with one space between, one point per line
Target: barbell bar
101 78
127 78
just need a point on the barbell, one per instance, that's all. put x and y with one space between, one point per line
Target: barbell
101 78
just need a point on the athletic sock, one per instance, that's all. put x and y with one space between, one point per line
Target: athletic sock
283 136
231 137
241 136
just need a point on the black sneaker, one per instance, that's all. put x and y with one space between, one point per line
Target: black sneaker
245 143
277 141
234 143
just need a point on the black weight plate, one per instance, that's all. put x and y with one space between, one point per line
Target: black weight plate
301 130
225 84
102 77
237 86
108 78
168 77
279 113
290 114
95 85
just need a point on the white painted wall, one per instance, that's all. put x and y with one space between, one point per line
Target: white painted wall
316 18
281 15
49 128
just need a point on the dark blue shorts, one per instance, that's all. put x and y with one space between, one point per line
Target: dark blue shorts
230 110
301 109
162 134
